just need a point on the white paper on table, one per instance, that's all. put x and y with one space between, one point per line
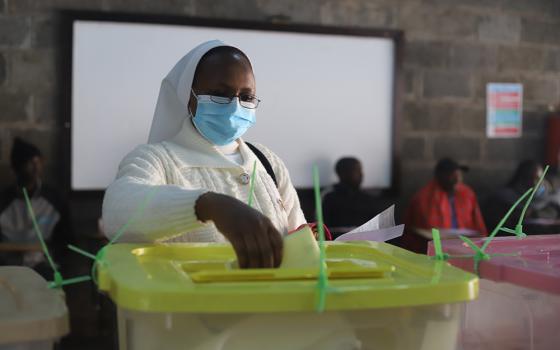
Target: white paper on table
385 219
380 235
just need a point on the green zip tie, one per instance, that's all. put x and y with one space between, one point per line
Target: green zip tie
479 253
439 255
508 230
40 236
519 227
252 186
81 251
69 281
322 281
99 258
138 212
463 256
438 269
476 267
504 219
58 281
478 256
469 256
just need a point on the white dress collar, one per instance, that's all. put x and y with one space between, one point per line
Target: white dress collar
195 151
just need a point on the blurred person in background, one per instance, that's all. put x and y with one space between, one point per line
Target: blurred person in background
544 205
346 205
18 239
444 203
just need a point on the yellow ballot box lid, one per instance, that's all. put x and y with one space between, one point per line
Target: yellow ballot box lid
204 278
29 310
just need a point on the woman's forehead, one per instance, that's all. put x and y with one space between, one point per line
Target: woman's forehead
226 58
232 69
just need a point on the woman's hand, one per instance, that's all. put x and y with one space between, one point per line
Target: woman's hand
256 241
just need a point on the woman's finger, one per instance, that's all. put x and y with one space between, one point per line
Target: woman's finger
241 252
254 259
265 248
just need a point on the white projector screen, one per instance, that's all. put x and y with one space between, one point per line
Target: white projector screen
324 96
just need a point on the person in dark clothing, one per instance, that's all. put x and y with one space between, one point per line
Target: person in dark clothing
16 226
525 177
346 205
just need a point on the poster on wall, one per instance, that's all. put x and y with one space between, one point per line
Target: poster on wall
504 110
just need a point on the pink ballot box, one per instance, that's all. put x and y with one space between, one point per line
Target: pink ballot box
519 301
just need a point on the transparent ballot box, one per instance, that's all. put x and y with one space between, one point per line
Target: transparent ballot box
519 302
192 296
32 316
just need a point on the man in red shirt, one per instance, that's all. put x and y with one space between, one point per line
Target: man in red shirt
445 202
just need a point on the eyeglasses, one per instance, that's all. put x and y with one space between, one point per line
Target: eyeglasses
245 100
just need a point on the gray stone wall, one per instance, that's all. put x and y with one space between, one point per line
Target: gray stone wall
453 48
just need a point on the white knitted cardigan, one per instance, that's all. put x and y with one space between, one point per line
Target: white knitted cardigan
179 171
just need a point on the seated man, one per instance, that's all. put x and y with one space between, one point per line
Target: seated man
446 203
345 205
16 226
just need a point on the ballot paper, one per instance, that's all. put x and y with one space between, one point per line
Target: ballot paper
380 229
385 219
300 250
380 235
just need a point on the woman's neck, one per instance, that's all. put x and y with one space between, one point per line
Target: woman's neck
229 148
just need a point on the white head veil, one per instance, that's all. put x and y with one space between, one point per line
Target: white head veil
174 94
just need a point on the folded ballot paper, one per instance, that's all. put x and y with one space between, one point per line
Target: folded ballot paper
380 229
302 251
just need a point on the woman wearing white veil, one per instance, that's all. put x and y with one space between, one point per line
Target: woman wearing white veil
198 166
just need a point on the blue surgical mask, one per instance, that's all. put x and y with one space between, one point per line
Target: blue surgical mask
222 123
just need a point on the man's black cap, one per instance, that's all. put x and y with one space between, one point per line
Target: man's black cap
448 165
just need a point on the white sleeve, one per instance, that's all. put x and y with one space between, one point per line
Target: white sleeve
169 209
287 191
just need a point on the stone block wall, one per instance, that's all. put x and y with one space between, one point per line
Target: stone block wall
452 49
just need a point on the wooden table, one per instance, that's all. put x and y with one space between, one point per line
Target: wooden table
19 247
